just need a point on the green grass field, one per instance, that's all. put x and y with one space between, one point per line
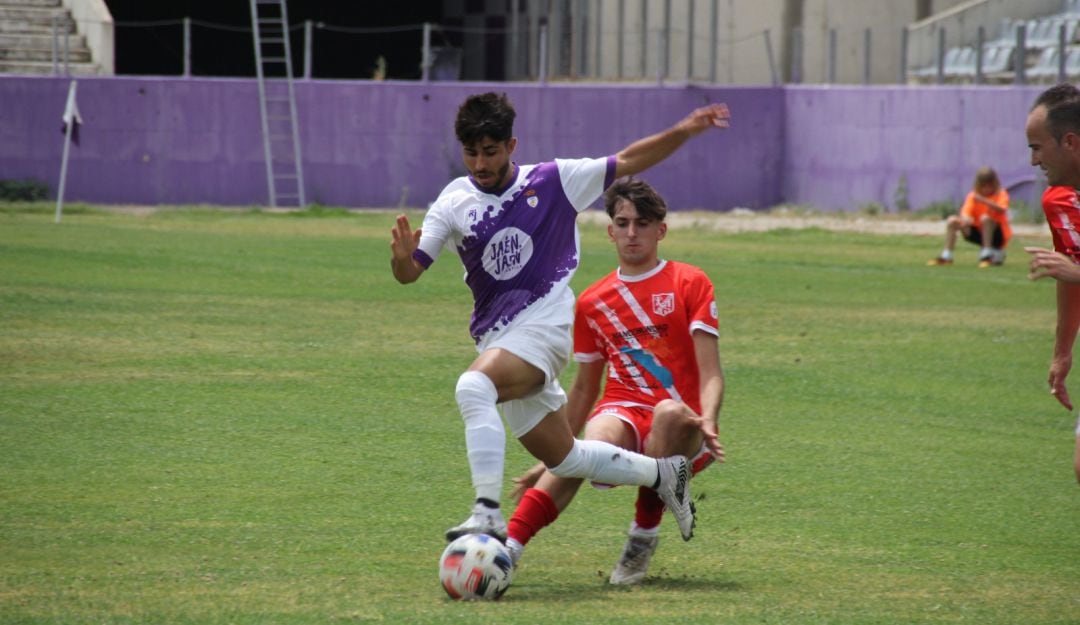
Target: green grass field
238 417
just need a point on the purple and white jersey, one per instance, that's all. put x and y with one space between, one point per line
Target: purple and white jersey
519 245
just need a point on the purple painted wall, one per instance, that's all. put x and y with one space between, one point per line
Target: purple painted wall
151 140
176 141
848 146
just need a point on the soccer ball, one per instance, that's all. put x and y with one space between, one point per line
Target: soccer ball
475 566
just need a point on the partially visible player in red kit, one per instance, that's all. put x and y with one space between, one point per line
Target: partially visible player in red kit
1062 208
652 325
1053 134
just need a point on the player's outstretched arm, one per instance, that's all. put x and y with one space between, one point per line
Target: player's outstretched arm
403 243
644 153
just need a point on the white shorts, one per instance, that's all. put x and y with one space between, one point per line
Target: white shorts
548 349
1078 425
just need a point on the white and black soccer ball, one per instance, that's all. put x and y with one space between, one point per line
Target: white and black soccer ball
475 566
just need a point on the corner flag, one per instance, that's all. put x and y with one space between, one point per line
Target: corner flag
71 119
71 115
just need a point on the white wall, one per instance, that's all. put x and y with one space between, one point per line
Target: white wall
95 22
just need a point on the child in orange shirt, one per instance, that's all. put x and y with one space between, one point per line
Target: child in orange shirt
983 220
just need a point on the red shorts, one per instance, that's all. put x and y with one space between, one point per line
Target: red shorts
639 418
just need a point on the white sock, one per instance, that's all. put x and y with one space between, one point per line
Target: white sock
984 252
946 254
485 436
647 532
603 462
516 550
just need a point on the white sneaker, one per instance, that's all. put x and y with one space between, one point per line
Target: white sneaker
634 563
674 491
483 520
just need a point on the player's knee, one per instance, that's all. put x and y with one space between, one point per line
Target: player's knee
667 409
670 414
473 386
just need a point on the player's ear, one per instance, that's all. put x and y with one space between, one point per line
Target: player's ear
1071 141
611 232
510 145
661 232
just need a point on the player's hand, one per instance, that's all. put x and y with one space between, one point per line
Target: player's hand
709 435
525 481
711 116
1051 264
1059 370
405 240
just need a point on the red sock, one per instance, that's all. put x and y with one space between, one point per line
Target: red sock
649 508
535 512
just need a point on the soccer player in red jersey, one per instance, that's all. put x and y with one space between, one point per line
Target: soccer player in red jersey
652 326
1053 133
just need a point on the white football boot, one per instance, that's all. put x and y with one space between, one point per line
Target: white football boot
674 491
483 520
634 563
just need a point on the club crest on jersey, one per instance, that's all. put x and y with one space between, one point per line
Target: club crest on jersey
532 201
663 303
507 253
473 213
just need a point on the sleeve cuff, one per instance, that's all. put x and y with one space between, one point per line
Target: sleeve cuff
421 257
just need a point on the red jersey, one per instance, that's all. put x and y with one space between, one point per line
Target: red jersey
642 326
1062 209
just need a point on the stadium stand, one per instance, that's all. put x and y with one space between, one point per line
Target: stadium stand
1040 57
27 42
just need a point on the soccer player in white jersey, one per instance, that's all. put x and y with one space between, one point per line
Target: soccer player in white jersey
652 325
514 228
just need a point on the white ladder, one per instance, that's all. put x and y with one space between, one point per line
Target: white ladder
277 103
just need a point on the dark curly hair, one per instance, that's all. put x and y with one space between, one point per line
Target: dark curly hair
485 115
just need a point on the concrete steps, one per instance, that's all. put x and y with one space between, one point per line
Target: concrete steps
38 42
26 39
39 67
55 4
75 55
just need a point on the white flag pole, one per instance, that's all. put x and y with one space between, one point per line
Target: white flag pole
71 117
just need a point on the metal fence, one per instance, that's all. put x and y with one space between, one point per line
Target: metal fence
537 51
572 48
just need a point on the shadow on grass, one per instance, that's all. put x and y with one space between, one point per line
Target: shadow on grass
599 588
